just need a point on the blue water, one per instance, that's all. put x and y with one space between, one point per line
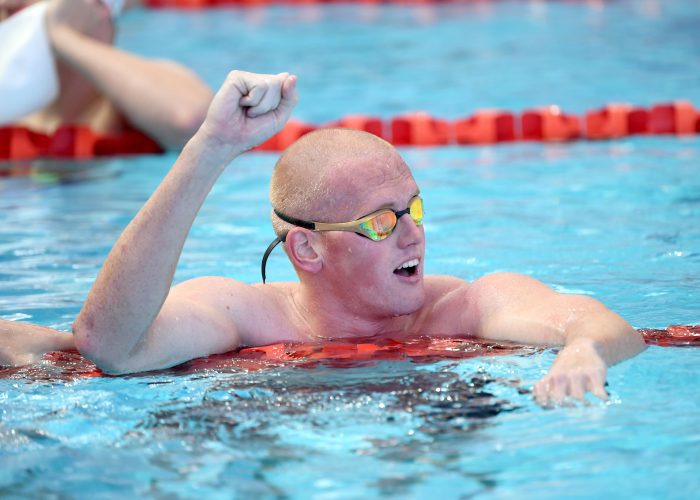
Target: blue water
617 220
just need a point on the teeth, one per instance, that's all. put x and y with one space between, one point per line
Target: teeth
410 263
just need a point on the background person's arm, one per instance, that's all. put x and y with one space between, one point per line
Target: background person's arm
163 99
126 310
521 309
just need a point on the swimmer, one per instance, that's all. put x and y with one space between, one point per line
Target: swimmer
360 268
108 89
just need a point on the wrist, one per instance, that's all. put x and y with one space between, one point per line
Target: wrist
211 150
214 147
586 346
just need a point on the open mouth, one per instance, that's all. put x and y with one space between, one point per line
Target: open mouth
408 268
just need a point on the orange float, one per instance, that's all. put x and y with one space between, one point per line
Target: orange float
609 122
486 127
549 124
419 129
292 131
413 129
369 124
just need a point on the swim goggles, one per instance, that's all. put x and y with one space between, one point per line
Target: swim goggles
376 226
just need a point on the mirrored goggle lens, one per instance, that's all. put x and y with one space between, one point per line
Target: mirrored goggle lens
416 211
380 226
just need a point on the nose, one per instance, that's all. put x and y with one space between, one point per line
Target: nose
408 232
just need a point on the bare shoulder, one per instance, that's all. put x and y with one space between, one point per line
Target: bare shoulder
508 279
447 305
260 312
457 307
502 288
440 287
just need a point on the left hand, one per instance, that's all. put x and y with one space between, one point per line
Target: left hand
578 369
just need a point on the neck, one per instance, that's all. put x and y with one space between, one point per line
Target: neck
325 316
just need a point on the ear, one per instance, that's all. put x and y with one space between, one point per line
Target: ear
302 246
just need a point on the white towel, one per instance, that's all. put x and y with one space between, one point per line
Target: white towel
28 79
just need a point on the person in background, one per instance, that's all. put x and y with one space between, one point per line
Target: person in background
106 88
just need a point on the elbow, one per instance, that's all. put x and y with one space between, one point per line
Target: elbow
90 343
636 342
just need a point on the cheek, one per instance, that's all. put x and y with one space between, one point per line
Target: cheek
359 257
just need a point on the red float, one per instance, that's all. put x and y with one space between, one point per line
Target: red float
419 129
486 127
369 124
638 121
678 117
290 133
70 141
414 129
549 124
609 122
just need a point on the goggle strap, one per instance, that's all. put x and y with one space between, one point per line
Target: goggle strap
294 221
267 253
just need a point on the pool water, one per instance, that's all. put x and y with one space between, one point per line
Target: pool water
619 221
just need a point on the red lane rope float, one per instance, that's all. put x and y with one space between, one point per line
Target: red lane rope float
71 141
335 354
673 336
546 124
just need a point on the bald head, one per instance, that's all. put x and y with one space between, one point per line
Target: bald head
321 176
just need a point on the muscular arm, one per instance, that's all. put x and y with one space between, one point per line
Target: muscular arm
518 308
126 316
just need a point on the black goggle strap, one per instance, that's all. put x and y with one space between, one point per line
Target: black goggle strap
267 253
278 240
293 220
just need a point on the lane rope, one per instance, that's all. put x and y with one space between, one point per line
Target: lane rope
488 126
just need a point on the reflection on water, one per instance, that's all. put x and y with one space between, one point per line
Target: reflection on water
202 426
56 171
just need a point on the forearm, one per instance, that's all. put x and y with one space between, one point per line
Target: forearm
24 343
163 99
613 338
137 275
521 309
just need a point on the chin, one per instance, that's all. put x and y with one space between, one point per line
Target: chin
409 303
